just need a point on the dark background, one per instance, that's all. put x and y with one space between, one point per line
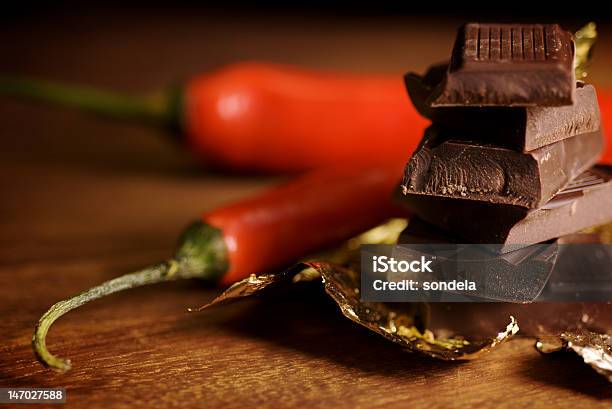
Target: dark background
467 10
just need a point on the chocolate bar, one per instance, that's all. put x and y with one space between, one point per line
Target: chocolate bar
524 128
517 276
583 271
564 269
583 203
446 166
509 65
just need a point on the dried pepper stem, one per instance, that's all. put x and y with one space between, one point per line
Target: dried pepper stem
154 274
201 254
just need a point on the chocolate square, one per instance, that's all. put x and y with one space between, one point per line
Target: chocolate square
509 65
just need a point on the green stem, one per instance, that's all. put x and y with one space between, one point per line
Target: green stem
201 254
154 274
156 110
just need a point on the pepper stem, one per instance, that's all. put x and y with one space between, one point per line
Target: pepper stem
201 254
158 110
151 275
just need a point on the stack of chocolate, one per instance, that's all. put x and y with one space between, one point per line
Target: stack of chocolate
510 156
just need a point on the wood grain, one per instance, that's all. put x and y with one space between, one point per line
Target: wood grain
85 200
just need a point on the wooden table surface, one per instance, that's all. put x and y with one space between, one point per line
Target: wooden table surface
84 200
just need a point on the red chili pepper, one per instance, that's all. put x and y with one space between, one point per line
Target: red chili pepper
273 118
265 117
605 106
259 234
285 119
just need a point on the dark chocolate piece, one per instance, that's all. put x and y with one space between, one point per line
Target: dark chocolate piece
581 271
523 128
585 202
517 276
446 166
509 65
535 318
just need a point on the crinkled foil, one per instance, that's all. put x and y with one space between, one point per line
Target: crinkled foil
584 40
402 323
405 324
445 331
595 349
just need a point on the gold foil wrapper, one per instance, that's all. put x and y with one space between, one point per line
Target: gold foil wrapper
595 349
405 324
426 329
584 40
